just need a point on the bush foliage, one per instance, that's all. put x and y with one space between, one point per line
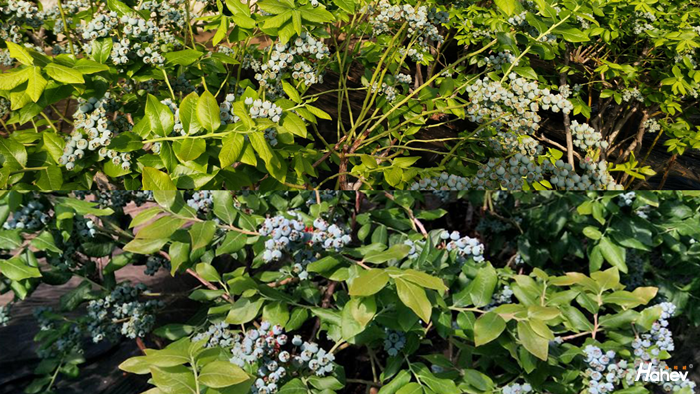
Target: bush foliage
344 94
297 292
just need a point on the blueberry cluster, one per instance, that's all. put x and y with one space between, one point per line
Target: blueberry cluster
155 263
648 346
299 57
444 181
101 26
4 104
416 248
20 12
492 225
632 94
412 53
201 201
518 19
514 108
641 22
5 314
585 137
93 130
652 125
626 199
165 13
85 227
517 388
504 57
386 90
67 338
177 126
508 173
264 348
503 296
218 334
403 78
595 177
602 371
141 39
394 341
31 217
466 246
419 20
122 314
226 110
263 109
290 235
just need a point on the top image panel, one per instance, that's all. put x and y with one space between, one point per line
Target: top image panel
349 94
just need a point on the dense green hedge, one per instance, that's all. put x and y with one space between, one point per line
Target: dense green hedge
345 94
406 292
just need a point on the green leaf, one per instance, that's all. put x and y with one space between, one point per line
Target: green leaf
202 233
231 150
259 143
398 252
160 117
368 282
16 269
232 243
347 6
207 272
219 374
415 298
507 6
14 153
534 343
592 233
156 180
64 74
294 124
188 114
423 279
208 112
45 241
244 310
487 328
291 92
189 149
11 80
161 228
273 6
145 246
86 66
411 388
101 49
50 178
20 53
482 287
36 84
183 58
613 253
175 380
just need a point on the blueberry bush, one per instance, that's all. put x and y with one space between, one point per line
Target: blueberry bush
322 292
345 94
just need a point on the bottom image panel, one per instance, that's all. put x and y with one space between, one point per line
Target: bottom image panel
350 292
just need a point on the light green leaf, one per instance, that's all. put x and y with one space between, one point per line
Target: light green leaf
487 328
415 298
533 342
208 112
156 180
16 269
219 374
64 74
368 282
36 84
